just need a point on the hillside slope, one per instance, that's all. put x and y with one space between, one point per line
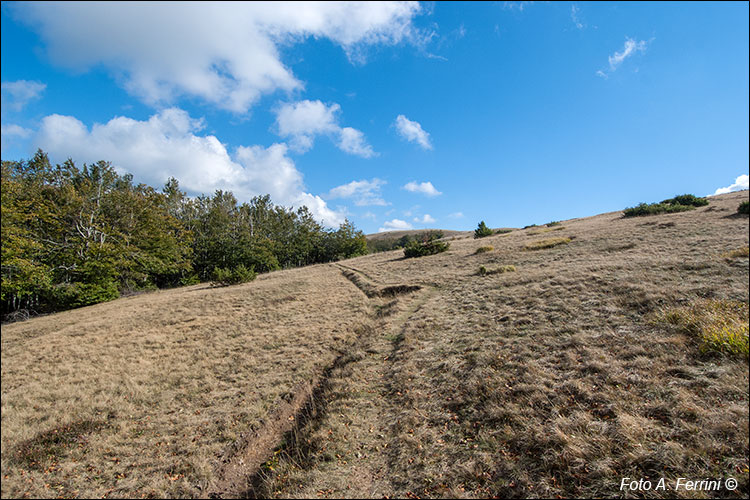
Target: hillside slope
384 376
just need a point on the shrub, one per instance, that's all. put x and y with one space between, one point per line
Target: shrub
482 230
719 325
226 276
420 249
553 223
687 200
548 243
530 225
484 249
679 203
483 271
503 231
744 208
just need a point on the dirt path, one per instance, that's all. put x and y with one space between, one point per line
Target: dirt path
332 439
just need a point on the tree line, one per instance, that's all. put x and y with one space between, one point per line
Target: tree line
77 236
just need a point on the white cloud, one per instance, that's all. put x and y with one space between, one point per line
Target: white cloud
425 188
224 53
167 144
616 59
9 133
353 142
395 225
301 121
15 95
456 215
740 183
427 219
574 10
364 192
412 131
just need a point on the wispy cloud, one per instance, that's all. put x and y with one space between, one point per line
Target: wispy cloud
15 95
574 10
456 215
395 225
516 5
740 183
412 131
364 193
425 188
616 59
426 219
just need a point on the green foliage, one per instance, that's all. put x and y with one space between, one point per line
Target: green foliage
75 236
235 276
503 231
679 203
530 225
385 244
420 249
744 208
482 230
553 223
687 200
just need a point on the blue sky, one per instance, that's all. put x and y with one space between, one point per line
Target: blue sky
395 115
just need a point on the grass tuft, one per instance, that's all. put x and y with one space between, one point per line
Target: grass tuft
737 253
719 325
483 271
548 243
488 248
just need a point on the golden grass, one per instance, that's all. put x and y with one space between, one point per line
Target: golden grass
484 249
548 382
168 380
720 325
483 271
548 243
737 253
545 230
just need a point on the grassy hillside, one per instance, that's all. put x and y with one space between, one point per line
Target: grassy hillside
599 353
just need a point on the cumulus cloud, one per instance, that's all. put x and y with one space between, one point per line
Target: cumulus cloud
10 133
616 59
224 53
427 219
15 95
169 144
412 131
395 225
740 183
425 188
303 120
363 192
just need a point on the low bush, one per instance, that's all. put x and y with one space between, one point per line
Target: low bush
226 276
744 208
482 230
679 203
553 223
503 231
484 249
719 325
548 243
420 249
483 271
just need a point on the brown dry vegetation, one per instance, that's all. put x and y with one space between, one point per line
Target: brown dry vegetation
423 379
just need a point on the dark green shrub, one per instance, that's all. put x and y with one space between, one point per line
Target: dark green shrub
744 208
554 223
420 249
226 276
679 203
687 200
503 231
482 230
530 225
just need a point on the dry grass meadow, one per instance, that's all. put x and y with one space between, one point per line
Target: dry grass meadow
612 348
